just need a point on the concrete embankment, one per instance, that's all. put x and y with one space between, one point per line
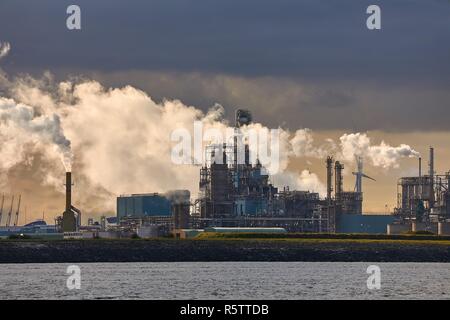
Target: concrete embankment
33 251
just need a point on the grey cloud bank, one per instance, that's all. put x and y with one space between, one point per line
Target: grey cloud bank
312 60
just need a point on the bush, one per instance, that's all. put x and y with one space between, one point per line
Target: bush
418 233
18 236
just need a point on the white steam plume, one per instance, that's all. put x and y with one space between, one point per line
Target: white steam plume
20 125
353 144
4 49
305 181
303 145
382 155
122 139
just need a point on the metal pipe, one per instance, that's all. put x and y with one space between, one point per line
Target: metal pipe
431 174
338 180
420 167
329 178
68 191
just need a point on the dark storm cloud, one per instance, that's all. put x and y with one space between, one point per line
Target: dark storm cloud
255 37
293 62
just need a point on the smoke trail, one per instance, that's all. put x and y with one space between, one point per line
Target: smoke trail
305 181
5 47
121 138
380 155
303 145
19 124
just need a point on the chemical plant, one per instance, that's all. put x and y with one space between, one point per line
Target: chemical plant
239 197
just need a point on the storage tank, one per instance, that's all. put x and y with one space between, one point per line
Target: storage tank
444 228
148 231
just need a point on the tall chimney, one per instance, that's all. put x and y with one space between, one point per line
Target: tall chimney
431 164
338 181
420 167
329 177
431 173
69 222
68 191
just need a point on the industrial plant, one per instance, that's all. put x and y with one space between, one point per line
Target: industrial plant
240 197
423 201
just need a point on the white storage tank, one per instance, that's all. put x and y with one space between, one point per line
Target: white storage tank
398 228
421 226
148 231
444 228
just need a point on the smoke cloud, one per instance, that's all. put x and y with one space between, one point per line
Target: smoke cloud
351 145
121 139
305 181
303 145
20 125
382 155
4 49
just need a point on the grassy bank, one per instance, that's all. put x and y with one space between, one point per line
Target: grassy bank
320 236
226 249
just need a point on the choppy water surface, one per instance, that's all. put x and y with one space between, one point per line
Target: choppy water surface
226 280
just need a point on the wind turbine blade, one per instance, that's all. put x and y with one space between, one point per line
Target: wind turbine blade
366 176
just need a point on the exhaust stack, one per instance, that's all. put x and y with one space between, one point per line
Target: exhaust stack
68 191
420 167
431 174
70 222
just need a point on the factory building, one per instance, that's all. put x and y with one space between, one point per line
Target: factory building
143 205
424 198
153 214
363 223
423 201
241 195
71 218
235 194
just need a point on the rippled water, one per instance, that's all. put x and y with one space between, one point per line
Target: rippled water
226 280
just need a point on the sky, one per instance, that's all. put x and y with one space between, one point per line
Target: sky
295 64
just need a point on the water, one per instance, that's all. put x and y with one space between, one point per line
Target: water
226 280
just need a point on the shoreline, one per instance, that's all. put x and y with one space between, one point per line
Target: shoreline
219 250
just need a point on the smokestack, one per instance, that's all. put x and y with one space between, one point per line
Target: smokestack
224 154
431 173
329 177
69 222
68 191
338 180
420 167
431 163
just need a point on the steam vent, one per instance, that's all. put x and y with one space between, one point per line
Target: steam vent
71 216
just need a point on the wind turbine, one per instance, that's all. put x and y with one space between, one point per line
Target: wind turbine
360 174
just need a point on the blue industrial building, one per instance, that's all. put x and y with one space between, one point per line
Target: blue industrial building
141 205
363 223
150 204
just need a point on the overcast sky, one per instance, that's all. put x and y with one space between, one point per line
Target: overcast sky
297 63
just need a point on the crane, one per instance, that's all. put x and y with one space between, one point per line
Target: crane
16 220
360 174
8 221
